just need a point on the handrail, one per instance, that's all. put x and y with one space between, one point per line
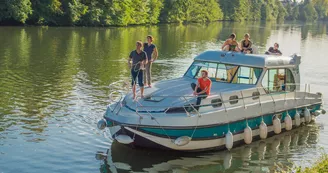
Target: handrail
227 101
261 90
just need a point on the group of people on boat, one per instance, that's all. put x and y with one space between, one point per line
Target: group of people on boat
140 62
141 59
245 46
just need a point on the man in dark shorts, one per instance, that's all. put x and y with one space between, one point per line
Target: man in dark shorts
139 59
274 50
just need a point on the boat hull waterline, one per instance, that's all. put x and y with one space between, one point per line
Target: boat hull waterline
203 139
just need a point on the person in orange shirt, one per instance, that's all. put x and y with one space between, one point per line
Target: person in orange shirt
203 87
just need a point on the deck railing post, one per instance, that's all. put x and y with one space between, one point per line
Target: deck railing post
305 93
192 106
242 96
225 108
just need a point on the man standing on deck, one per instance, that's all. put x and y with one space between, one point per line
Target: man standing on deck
203 88
152 55
139 59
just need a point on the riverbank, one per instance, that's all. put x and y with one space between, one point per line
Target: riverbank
141 12
321 166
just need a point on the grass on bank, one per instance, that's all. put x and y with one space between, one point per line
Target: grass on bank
320 166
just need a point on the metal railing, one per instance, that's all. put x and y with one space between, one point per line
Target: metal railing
245 95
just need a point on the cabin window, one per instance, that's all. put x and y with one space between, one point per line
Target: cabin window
216 71
216 103
247 75
210 67
233 99
278 80
225 72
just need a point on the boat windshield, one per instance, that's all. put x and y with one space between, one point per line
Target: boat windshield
225 72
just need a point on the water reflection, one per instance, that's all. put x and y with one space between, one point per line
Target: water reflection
54 86
261 156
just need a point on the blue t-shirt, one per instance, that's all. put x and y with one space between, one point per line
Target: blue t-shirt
149 50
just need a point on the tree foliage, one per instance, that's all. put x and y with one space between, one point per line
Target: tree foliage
140 12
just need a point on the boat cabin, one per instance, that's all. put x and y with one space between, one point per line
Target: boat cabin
273 73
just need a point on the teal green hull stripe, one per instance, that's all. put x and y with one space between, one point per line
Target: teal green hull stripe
220 130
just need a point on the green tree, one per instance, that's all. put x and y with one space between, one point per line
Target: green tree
205 12
155 7
240 10
94 14
139 11
46 12
121 12
307 11
255 10
75 11
295 13
321 7
16 10
265 12
227 8
282 13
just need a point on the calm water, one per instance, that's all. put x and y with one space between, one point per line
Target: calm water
54 89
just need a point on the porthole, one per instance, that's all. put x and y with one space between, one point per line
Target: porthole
256 95
233 99
216 103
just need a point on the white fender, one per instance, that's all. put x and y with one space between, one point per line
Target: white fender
263 130
276 125
307 115
124 139
229 140
181 141
288 122
102 124
297 119
248 135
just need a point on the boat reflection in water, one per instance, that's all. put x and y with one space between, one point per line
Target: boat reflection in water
260 156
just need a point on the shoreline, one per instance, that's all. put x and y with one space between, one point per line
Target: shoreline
166 23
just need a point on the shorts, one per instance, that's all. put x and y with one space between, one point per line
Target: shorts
137 75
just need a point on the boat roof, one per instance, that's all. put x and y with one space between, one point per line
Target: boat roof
251 60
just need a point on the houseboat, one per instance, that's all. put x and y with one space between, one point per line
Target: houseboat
252 98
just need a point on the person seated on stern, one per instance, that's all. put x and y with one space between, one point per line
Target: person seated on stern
246 44
203 88
274 50
231 44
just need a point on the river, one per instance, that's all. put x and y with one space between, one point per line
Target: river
54 89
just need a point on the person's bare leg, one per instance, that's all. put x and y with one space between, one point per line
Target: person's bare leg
226 48
149 74
134 91
142 91
145 76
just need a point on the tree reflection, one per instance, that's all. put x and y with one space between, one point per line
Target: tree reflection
45 71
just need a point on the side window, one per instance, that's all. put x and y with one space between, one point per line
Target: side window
225 72
278 80
211 68
247 75
290 82
192 71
